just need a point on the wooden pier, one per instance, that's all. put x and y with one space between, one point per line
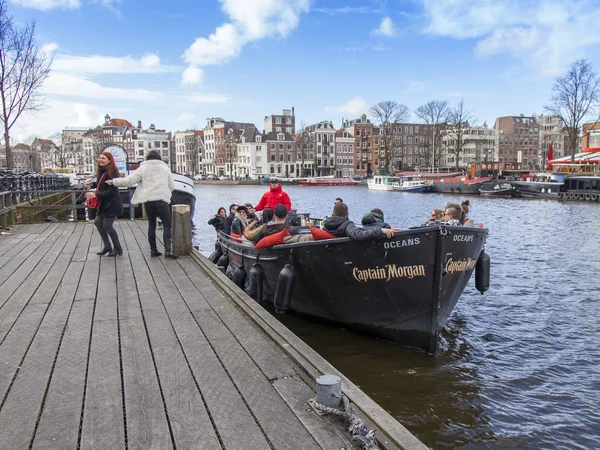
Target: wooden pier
145 353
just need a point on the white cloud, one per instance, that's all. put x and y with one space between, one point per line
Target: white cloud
185 117
73 86
386 28
96 64
192 75
546 35
49 48
250 20
46 5
417 86
354 107
347 10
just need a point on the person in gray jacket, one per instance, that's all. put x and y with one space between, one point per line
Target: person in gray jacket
340 225
154 186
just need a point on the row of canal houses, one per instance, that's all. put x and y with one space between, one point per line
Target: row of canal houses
358 146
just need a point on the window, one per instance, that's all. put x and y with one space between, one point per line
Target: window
280 146
272 146
156 144
289 146
281 137
165 152
281 157
140 144
278 120
278 130
288 120
416 130
272 169
288 130
272 156
165 144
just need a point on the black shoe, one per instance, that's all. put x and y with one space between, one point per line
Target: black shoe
154 253
107 248
116 251
170 255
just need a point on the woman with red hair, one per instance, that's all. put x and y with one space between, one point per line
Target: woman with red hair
111 205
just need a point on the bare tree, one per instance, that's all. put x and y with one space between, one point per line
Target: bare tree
23 69
435 115
458 123
573 95
385 114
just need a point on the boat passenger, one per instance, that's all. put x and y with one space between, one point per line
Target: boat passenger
254 227
229 220
464 220
218 221
375 218
435 217
339 200
452 215
275 196
250 215
240 222
340 225
279 223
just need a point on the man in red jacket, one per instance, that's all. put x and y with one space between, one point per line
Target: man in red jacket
274 197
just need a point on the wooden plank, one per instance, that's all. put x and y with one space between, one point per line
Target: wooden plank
189 420
326 430
103 418
88 284
21 252
59 423
17 234
21 407
227 408
272 362
81 252
147 425
26 279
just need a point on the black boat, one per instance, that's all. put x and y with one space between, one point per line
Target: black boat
537 189
581 187
497 189
401 289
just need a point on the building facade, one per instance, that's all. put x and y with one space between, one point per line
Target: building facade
344 154
323 135
282 123
518 140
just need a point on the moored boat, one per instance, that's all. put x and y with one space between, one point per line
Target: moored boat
382 183
401 289
328 181
497 189
413 186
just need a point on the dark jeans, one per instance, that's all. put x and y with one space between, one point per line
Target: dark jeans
105 228
158 209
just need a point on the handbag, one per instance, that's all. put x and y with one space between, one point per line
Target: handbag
95 202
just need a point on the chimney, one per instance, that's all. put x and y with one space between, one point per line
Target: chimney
292 110
139 124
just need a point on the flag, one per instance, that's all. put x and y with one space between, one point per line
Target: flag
550 156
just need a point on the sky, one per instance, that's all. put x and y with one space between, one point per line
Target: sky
176 63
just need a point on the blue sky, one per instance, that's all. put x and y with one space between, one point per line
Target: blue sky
176 63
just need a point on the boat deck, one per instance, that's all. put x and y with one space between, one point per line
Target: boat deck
138 352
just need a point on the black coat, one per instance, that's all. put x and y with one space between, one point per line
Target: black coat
218 222
342 227
228 222
111 204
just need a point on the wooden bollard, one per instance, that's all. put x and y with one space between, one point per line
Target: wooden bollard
182 230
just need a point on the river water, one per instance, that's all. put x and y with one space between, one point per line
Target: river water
521 364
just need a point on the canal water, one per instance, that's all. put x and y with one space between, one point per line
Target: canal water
520 366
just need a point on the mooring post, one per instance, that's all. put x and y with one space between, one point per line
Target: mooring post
329 391
182 230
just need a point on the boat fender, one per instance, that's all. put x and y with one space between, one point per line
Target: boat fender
594 197
581 196
239 276
255 282
588 196
284 288
214 256
560 195
572 195
482 272
222 263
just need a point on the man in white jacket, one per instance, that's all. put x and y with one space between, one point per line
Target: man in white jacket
154 186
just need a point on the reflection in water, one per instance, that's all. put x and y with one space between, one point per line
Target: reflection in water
519 366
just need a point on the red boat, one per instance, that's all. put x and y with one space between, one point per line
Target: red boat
328 181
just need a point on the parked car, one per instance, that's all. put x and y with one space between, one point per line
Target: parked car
211 177
223 177
200 177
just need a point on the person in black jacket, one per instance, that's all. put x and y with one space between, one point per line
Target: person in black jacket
218 221
229 219
111 205
375 218
339 225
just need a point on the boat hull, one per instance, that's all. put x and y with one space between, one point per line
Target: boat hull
401 289
417 189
